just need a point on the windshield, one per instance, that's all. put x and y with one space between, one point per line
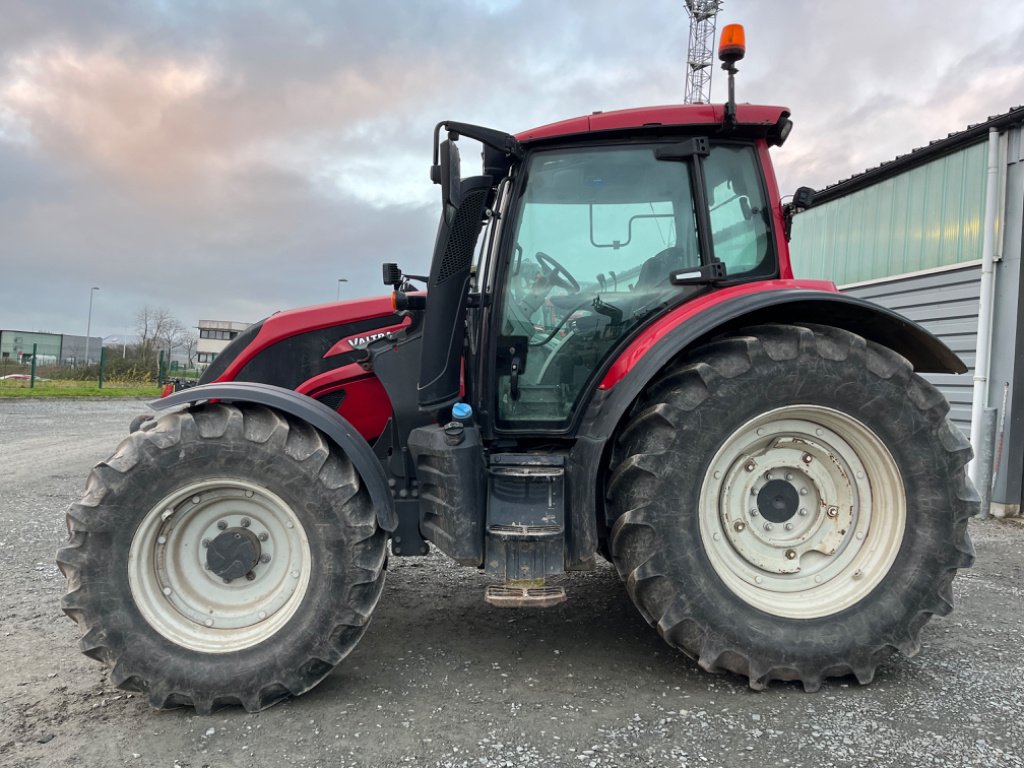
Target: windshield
597 233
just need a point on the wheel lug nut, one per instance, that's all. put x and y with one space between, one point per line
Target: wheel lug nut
791 554
767 475
264 536
246 522
264 558
227 581
753 513
768 526
833 512
803 491
750 466
754 491
250 576
789 526
808 458
789 476
802 512
739 525
206 543
222 525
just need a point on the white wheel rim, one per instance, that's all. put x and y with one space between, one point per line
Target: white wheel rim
185 601
847 527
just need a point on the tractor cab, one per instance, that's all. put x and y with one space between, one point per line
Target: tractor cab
595 227
600 239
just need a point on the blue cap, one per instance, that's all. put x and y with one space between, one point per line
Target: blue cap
462 411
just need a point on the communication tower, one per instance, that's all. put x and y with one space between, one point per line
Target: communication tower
700 53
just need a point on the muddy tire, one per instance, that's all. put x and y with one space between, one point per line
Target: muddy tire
224 555
790 504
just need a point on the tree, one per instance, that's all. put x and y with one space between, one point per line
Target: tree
188 342
157 329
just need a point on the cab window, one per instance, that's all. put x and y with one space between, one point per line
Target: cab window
597 233
738 212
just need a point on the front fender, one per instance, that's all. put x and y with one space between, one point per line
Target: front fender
314 413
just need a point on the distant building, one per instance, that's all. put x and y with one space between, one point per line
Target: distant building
51 348
214 335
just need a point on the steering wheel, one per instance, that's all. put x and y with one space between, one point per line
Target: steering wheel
559 276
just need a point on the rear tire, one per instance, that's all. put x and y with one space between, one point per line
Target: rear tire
147 597
790 504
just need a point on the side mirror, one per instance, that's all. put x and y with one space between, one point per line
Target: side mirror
451 174
803 198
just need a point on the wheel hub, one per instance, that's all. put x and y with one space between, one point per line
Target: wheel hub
778 501
191 551
233 554
802 511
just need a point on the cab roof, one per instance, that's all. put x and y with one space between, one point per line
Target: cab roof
747 115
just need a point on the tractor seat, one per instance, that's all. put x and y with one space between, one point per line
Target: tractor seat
654 272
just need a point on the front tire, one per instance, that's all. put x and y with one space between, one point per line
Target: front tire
223 555
790 504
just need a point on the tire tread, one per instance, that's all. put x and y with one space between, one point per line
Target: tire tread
87 519
641 458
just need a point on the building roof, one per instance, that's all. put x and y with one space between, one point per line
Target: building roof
222 325
952 143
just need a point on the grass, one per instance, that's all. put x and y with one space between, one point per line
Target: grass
65 388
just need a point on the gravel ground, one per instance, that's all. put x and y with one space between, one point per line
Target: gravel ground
441 679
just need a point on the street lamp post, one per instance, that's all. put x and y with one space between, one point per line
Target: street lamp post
88 325
340 281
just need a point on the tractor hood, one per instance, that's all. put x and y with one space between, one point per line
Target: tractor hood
289 348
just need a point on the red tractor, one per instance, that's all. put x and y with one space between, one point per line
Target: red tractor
624 367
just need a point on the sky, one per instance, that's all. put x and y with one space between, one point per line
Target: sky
230 159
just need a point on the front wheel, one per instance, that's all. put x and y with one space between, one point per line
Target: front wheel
790 504
224 555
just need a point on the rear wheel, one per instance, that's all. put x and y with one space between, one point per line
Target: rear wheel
790 504
225 555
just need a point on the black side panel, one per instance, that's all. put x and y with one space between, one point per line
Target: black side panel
314 413
234 348
298 358
452 483
444 325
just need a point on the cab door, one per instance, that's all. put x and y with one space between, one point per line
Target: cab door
593 238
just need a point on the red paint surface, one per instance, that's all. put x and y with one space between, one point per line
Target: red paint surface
344 345
285 324
643 343
366 406
676 114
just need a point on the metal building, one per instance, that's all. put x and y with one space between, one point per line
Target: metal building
910 235
66 349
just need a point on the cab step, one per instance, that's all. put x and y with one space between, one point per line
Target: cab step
512 596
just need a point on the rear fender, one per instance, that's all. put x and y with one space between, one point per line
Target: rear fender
714 315
314 413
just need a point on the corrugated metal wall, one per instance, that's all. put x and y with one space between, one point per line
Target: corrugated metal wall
946 303
926 217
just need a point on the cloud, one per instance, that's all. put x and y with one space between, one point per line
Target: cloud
229 160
